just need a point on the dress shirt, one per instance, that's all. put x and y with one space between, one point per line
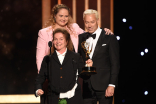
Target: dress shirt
93 43
61 56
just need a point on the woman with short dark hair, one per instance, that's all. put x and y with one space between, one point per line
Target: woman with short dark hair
65 65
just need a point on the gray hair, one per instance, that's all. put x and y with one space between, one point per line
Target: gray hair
91 11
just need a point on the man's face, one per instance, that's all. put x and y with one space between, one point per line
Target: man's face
91 23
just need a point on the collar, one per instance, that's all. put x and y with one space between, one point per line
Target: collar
98 29
63 54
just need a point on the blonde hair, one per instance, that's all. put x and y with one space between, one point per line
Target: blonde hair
91 11
55 10
67 37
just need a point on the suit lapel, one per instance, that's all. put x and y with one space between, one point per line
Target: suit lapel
99 43
66 58
55 57
84 37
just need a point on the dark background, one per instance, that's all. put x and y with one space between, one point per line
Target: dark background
137 73
20 21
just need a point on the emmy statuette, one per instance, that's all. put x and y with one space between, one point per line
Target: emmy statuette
87 70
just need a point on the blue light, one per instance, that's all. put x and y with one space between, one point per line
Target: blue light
130 27
123 100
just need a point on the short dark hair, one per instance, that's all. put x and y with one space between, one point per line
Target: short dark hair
67 37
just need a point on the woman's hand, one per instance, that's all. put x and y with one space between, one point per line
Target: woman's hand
108 31
40 92
89 62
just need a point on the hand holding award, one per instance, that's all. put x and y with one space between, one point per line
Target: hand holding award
88 69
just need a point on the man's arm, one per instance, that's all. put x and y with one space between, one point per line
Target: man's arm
114 59
115 65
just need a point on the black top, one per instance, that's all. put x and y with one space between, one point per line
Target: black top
62 78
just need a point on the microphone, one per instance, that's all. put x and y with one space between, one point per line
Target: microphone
50 45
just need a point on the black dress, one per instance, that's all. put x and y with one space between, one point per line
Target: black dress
61 77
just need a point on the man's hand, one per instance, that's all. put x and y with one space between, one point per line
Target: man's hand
89 62
108 31
40 92
109 91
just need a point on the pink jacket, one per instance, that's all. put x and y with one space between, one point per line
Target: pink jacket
45 35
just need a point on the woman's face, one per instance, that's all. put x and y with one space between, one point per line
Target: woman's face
62 17
60 42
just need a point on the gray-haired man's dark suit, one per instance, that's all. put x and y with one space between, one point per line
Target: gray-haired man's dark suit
106 60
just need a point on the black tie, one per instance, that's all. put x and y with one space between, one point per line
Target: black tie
92 35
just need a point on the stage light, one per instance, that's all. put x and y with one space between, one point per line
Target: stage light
142 53
124 20
118 37
146 50
130 27
146 93
19 99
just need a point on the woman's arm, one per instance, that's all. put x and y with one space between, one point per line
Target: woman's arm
108 31
80 30
41 78
77 29
41 49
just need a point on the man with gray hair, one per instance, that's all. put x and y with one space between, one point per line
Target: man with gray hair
105 56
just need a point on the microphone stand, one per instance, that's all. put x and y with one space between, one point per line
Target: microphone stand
49 66
50 45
